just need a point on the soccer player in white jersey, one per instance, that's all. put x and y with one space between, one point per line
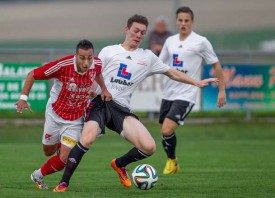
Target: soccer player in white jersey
72 87
124 66
185 52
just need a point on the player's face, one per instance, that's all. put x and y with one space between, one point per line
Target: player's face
84 59
135 34
184 23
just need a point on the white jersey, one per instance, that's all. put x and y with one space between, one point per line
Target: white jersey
186 56
123 70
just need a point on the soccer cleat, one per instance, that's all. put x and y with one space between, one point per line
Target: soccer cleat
62 187
171 166
123 175
39 182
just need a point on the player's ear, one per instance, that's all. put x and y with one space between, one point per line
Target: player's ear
126 29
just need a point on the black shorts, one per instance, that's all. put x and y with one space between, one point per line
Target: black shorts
176 110
108 114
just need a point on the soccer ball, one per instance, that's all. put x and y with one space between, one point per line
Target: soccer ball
144 176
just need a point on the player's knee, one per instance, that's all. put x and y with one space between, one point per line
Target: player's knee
150 149
49 150
86 142
167 131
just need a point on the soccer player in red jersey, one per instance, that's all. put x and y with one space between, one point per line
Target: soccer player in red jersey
73 77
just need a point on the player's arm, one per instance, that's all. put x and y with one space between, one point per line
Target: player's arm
222 94
105 94
182 77
22 103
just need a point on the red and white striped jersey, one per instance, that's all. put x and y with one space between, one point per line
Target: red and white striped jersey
69 93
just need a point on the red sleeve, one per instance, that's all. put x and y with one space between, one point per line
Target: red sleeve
98 65
50 70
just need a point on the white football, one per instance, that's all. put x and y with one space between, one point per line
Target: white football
144 176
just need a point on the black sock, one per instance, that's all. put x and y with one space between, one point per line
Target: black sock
73 160
132 156
169 144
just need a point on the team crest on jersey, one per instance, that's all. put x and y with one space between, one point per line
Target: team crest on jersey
176 62
71 86
122 72
48 136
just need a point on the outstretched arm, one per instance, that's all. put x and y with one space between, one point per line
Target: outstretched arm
105 94
221 95
22 103
182 77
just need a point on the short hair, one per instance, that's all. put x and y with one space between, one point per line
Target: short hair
185 9
161 18
138 19
84 44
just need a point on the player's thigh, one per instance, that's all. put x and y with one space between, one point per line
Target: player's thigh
178 111
51 132
164 109
70 133
135 132
90 131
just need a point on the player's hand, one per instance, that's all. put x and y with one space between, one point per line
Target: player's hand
105 95
21 105
221 99
205 82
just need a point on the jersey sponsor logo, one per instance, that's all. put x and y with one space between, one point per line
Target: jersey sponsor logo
123 73
176 62
68 141
182 70
74 88
122 82
117 87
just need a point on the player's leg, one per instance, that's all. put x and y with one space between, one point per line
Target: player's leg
90 131
92 128
135 132
50 149
169 142
50 141
173 113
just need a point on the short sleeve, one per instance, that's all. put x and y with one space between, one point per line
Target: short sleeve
157 66
208 53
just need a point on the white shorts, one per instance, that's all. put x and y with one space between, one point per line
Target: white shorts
56 129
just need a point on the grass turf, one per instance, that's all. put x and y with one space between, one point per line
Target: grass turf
217 160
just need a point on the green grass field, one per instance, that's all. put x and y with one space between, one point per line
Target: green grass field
217 160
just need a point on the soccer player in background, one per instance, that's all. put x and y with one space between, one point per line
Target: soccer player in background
185 52
124 66
72 87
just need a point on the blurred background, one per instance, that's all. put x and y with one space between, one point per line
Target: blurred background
235 24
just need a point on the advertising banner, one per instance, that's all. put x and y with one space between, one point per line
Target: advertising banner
248 87
12 76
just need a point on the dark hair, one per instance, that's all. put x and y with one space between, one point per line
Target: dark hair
185 9
84 44
138 19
